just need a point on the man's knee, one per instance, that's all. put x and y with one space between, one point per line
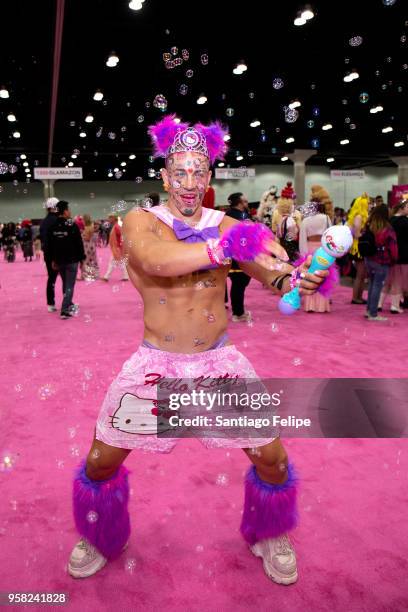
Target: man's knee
99 466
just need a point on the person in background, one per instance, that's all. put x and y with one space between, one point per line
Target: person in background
386 255
286 222
209 198
46 224
379 200
267 206
397 281
238 209
315 222
154 198
9 242
89 267
340 216
357 220
116 246
67 251
26 239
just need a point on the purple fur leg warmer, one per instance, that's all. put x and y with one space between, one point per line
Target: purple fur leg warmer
269 510
100 510
244 241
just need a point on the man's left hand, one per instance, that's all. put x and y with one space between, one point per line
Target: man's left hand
309 283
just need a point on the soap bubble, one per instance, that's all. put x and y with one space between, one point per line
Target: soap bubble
291 114
118 174
185 54
274 328
7 461
277 83
199 548
92 516
389 2
222 480
170 64
46 391
189 73
310 123
18 388
315 142
166 57
160 102
115 288
297 361
130 565
120 206
355 41
316 111
174 50
111 135
230 112
12 169
183 89
151 173
87 319
364 97
3 168
204 59
140 119
251 95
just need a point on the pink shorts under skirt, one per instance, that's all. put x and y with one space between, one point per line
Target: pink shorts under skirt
116 421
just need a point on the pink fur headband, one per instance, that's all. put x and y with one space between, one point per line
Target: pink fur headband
170 137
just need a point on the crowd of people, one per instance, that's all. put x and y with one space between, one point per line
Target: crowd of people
379 253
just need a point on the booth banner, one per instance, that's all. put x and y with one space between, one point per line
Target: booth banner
57 173
234 173
397 192
347 175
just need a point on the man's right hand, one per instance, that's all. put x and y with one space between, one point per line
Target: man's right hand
54 266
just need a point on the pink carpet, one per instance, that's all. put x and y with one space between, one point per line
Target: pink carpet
185 551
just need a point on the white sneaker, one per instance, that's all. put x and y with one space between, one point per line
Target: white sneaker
279 559
52 309
395 310
377 318
244 318
85 560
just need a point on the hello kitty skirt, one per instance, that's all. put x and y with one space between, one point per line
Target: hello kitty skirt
128 417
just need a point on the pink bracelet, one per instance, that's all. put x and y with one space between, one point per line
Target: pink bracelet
216 253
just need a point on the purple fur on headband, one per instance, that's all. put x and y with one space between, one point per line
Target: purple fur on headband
269 510
163 134
326 288
244 241
100 510
214 135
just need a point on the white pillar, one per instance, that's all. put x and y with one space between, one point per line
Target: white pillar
402 163
299 158
48 188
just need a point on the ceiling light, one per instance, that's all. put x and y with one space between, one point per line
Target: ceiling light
255 123
295 104
4 92
116 169
123 163
379 109
284 158
330 160
112 60
23 156
11 117
16 134
239 157
26 169
98 95
70 164
89 118
387 129
299 20
202 99
345 141
74 156
290 139
399 144
136 5
376 109
307 13
347 78
82 134
28 175
227 137
354 75
221 164
132 156
25 164
110 174
327 126
177 120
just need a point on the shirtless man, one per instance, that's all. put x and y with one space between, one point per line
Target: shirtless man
178 260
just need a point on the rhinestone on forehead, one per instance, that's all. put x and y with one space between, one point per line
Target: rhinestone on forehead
189 140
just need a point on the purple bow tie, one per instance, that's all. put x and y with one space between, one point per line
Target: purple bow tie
189 234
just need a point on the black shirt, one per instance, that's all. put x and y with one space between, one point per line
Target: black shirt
400 226
45 226
64 242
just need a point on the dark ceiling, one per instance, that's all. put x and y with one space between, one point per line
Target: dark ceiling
311 60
